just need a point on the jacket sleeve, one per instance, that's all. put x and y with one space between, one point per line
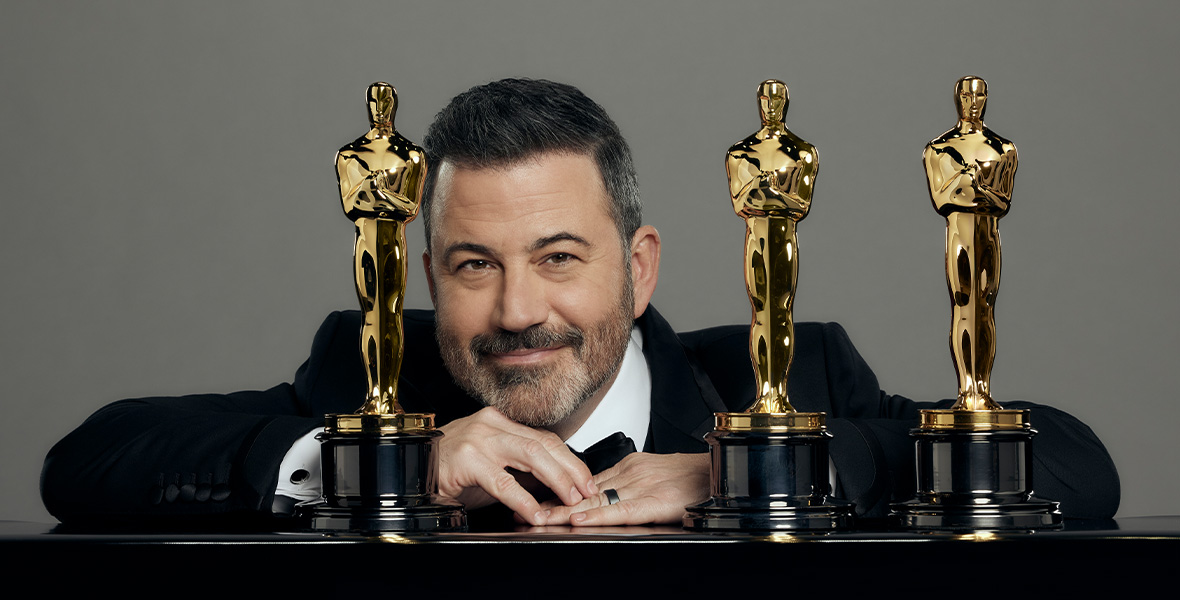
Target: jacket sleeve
874 454
187 457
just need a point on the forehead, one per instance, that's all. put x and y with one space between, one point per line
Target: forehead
534 197
972 86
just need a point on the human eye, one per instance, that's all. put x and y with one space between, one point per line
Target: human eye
474 264
560 258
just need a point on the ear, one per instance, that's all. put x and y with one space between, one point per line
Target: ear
645 265
429 278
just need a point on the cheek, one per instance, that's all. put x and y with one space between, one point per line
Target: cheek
586 301
462 312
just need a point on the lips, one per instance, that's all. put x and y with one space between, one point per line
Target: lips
525 356
535 342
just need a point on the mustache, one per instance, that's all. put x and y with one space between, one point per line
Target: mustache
537 336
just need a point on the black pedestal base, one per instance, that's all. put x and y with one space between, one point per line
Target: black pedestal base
377 482
969 480
386 519
769 482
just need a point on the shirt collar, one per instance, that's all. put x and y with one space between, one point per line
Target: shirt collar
626 406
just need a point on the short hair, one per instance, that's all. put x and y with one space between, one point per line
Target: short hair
510 120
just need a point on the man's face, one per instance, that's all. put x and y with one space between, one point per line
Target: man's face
531 285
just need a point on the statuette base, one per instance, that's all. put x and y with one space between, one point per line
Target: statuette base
376 480
973 420
379 424
798 422
769 481
970 480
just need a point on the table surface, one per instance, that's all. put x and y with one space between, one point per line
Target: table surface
1129 528
670 560
1138 550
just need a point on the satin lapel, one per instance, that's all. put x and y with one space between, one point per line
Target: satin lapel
683 399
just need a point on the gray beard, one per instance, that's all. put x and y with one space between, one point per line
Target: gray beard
540 396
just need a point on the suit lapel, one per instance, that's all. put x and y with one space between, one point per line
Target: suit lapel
683 399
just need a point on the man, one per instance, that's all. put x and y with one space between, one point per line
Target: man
541 277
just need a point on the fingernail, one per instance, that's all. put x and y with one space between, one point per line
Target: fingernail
540 517
575 495
577 517
593 488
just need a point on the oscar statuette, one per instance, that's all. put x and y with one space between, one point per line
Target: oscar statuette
974 459
770 463
379 465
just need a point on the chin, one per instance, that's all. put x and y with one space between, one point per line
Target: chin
537 397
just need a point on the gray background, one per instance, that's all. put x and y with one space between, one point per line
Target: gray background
171 224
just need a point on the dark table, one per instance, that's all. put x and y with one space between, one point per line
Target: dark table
605 563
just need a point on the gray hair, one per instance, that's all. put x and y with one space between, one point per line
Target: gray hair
507 121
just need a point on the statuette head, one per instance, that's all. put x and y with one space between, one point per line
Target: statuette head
773 100
382 100
971 98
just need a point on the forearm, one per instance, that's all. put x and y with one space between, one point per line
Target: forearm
964 194
765 197
875 461
874 453
174 457
1070 464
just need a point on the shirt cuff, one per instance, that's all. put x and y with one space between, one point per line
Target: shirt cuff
299 473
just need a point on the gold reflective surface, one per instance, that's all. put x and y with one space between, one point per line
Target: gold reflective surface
378 424
381 175
769 422
970 171
974 420
771 178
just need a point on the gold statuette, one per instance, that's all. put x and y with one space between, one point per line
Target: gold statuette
379 466
970 171
771 178
769 465
381 175
974 461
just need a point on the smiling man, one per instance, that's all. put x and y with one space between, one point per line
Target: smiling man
538 267
564 396
534 294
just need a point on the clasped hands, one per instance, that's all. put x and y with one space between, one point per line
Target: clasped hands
478 456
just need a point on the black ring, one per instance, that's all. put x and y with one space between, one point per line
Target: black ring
612 497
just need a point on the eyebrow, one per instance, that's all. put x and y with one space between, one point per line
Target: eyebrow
564 236
464 247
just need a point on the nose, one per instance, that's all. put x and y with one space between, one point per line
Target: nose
522 302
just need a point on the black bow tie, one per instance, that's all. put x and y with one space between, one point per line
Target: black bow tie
607 452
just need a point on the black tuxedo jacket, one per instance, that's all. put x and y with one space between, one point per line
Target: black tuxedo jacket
219 455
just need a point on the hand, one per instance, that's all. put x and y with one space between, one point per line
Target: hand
652 488
476 452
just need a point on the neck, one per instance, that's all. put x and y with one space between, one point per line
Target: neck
970 125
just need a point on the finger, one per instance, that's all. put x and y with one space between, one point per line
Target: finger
603 478
503 487
577 471
552 504
627 512
560 515
534 456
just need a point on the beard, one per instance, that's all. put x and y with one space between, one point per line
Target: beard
540 395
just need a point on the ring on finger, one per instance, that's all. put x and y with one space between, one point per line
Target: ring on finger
612 497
